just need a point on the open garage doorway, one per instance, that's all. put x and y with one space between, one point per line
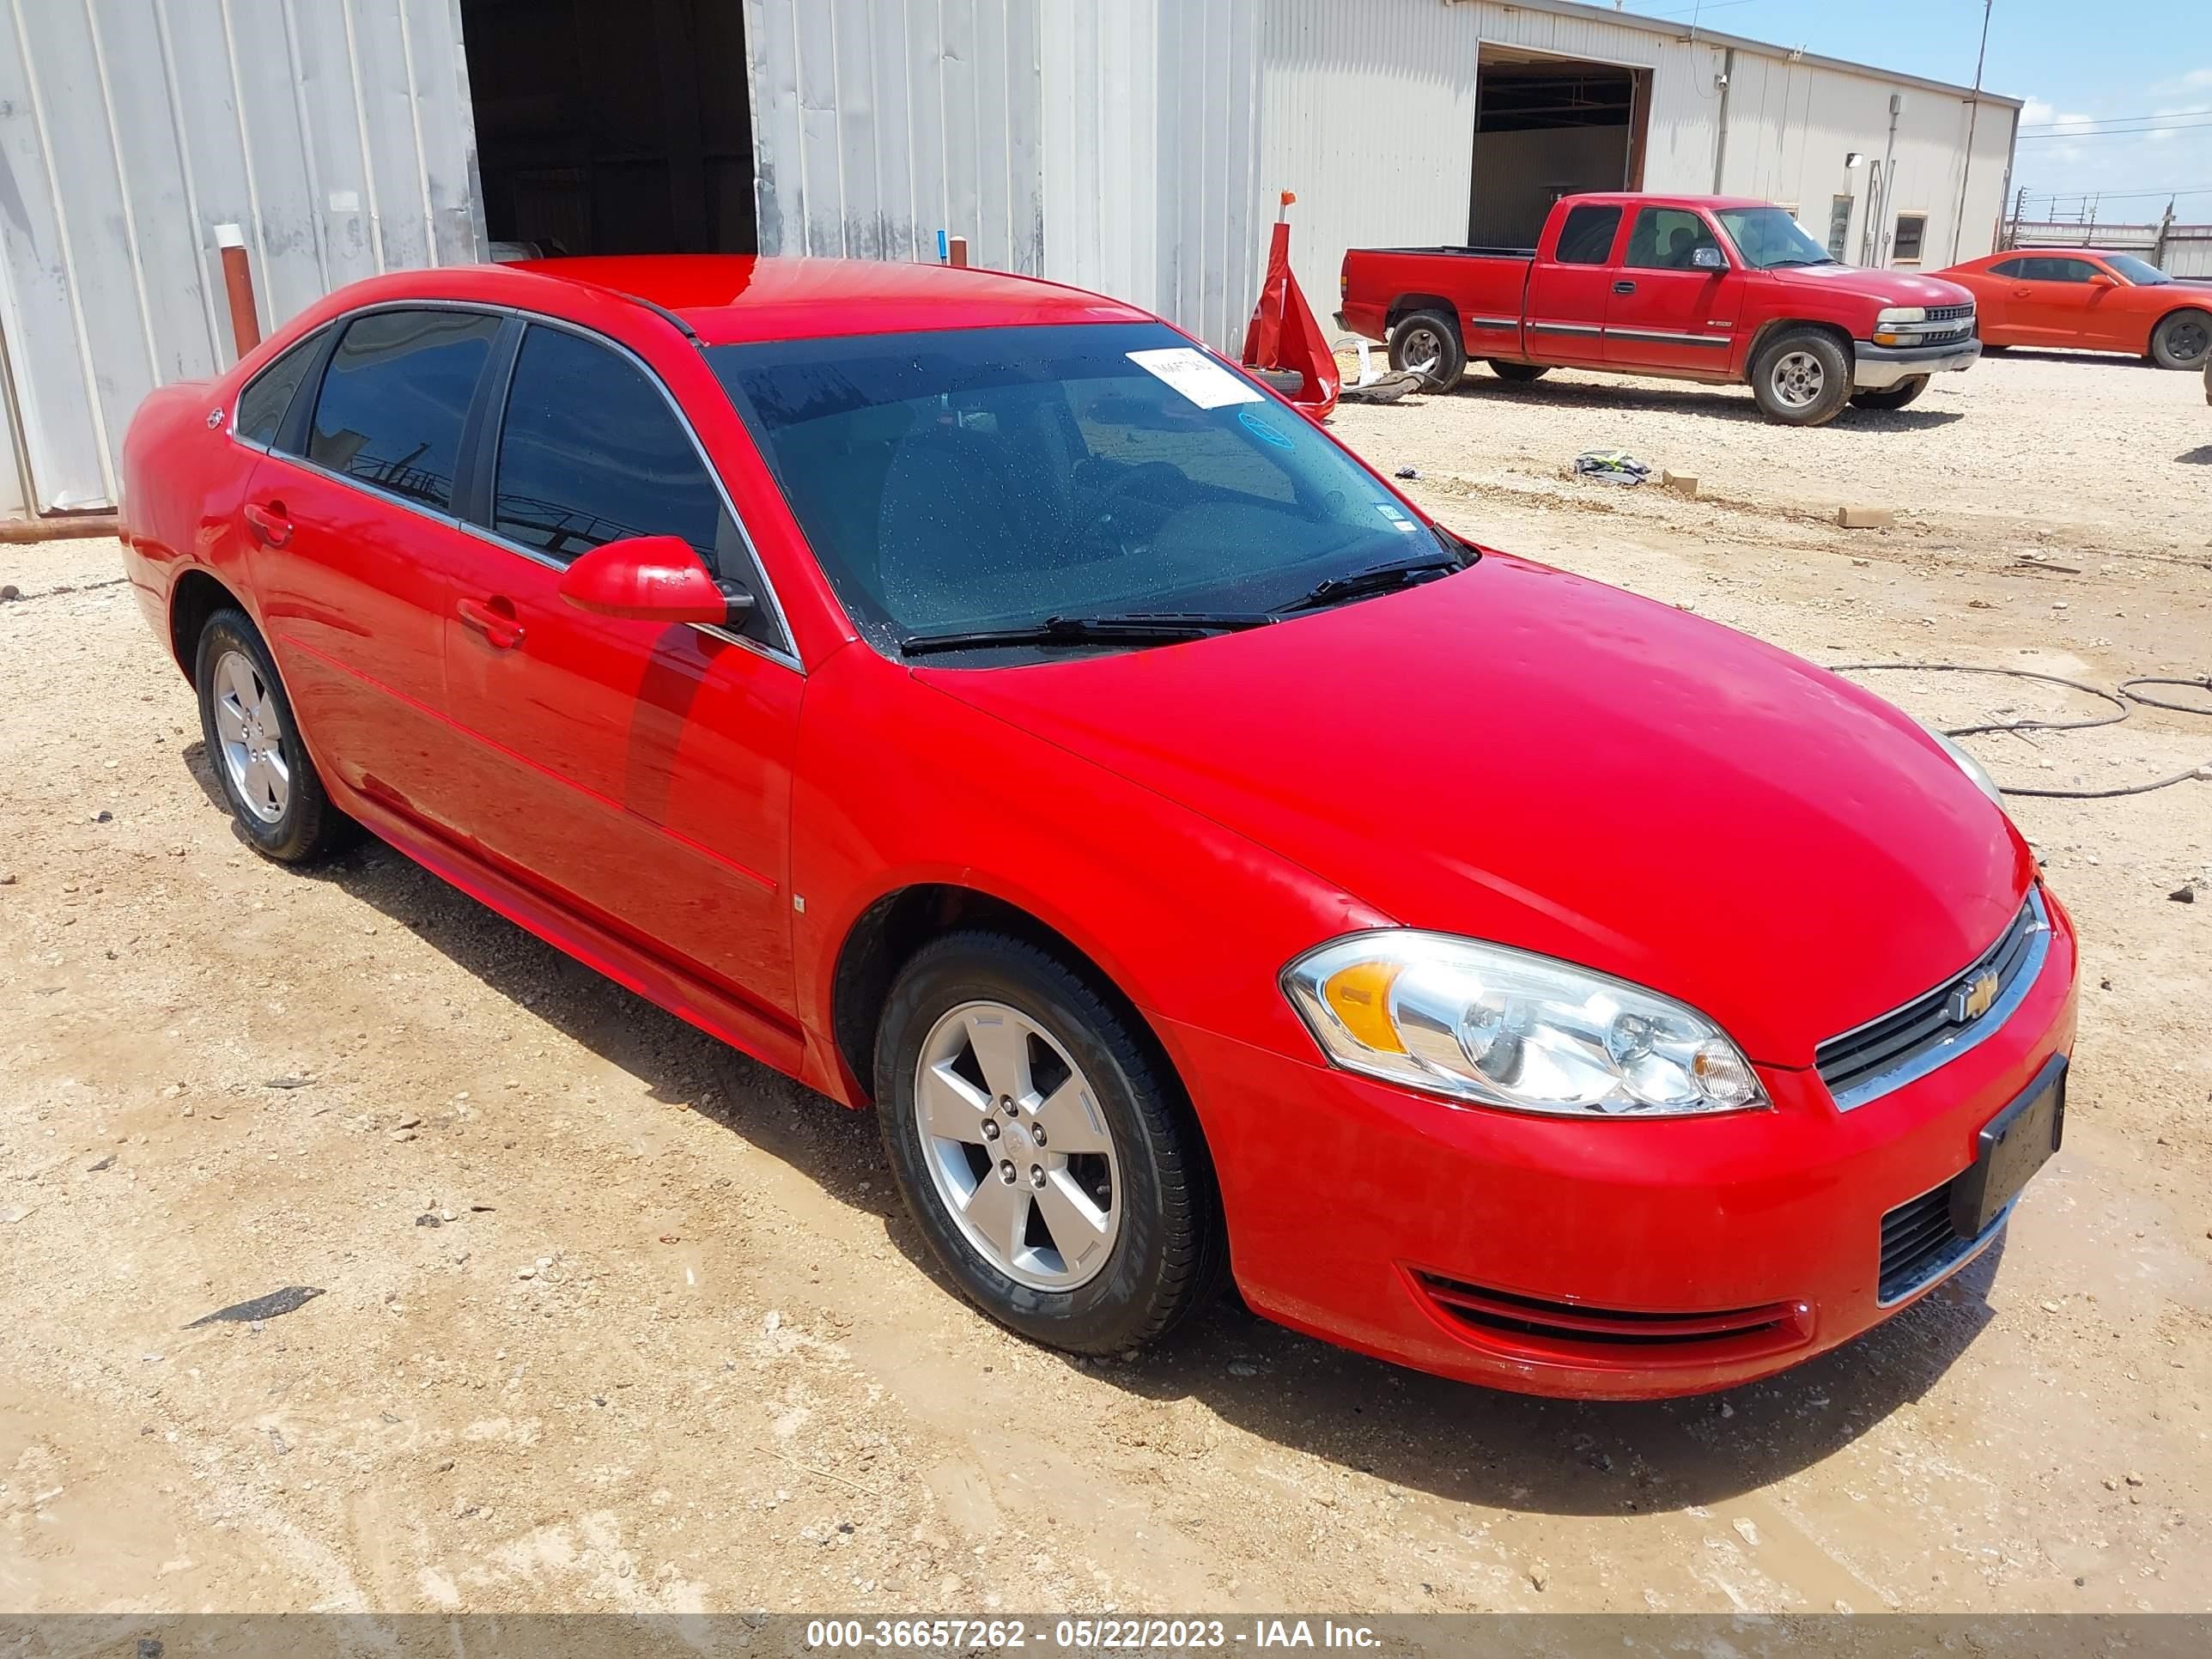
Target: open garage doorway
1546 127
611 126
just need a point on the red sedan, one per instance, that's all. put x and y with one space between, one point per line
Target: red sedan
973 698
2078 298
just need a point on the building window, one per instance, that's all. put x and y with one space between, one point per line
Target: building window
1839 226
1911 229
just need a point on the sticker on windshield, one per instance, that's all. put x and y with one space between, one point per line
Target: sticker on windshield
1197 376
1399 521
1258 427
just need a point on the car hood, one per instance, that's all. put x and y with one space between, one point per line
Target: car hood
1515 754
1888 288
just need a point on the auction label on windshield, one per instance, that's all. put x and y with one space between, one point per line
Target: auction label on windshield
1196 375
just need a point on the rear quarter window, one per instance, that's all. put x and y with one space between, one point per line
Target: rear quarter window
268 395
1586 238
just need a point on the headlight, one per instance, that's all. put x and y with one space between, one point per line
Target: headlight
1893 314
1970 766
1507 1028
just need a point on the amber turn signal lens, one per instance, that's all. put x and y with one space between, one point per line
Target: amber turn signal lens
1360 997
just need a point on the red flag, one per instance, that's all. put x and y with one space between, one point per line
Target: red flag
1283 334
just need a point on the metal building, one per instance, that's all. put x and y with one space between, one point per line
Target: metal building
1131 146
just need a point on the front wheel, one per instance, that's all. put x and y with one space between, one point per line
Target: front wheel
1048 1154
2183 340
1891 397
1426 343
253 744
1802 377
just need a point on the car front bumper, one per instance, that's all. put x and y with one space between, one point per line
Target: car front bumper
1875 366
1629 1259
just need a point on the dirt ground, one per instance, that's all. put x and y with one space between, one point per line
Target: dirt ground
614 1319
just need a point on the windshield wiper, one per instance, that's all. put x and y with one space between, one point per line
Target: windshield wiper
1789 264
1124 628
1376 579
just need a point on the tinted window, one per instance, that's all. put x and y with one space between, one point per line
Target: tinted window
2009 268
1587 237
2050 269
394 398
591 452
1667 238
993 477
1909 228
268 395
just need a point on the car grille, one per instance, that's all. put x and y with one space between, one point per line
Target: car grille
1887 1052
1531 1322
1919 1244
1950 313
1948 337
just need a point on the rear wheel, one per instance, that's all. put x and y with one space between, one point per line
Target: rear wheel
1802 377
1045 1151
253 744
1505 369
1426 343
2182 340
1891 397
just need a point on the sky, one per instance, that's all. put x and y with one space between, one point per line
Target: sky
2117 102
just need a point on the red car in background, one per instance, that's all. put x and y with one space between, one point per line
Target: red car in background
1695 288
976 699
2080 298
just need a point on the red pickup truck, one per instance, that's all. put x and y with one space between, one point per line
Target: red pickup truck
1699 287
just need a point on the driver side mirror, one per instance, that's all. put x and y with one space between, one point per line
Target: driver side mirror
2098 279
653 579
1708 258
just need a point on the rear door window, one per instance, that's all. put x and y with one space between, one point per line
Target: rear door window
268 395
1586 238
395 397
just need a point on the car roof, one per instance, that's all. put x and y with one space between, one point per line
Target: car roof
728 298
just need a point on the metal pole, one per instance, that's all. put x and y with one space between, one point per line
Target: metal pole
238 286
1973 120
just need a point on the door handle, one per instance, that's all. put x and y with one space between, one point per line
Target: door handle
1624 288
270 525
493 618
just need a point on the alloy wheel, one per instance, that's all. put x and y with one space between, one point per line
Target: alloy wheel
1017 1145
252 734
1798 380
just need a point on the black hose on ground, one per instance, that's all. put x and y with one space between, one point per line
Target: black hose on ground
2120 700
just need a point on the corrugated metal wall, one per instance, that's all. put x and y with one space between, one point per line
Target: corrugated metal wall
335 133
1153 190
878 123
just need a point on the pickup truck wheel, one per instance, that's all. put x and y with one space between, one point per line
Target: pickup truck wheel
1890 397
1802 377
2182 339
1426 343
254 744
1504 369
1050 1159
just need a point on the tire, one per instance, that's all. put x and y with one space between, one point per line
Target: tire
1161 1249
1802 377
282 809
1988 350
1426 343
1890 397
2182 339
1520 374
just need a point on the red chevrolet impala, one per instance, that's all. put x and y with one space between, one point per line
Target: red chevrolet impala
973 698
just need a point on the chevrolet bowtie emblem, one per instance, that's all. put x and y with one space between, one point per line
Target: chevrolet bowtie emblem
1973 997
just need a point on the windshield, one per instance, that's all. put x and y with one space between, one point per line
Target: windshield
1768 239
2141 272
990 479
